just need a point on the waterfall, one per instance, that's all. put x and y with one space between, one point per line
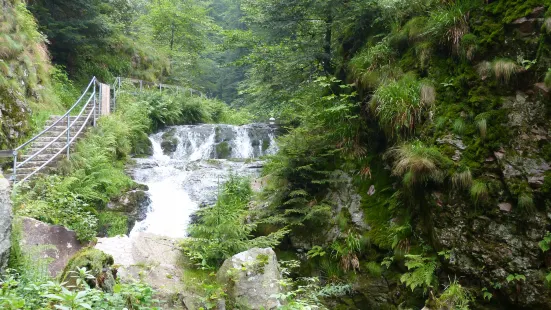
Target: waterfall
181 181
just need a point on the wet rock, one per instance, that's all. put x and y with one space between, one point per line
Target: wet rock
149 258
54 243
453 141
169 143
223 150
97 263
505 206
344 196
5 221
252 279
134 203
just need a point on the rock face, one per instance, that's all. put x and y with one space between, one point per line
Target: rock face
504 245
251 278
54 243
151 258
5 221
135 204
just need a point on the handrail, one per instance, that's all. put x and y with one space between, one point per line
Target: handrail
159 85
92 98
62 149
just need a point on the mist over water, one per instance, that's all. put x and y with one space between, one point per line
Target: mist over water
180 182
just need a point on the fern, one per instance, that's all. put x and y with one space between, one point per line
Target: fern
421 272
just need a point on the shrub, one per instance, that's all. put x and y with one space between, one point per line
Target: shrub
459 126
420 272
454 297
400 105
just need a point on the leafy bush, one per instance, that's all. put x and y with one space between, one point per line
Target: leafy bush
18 293
454 297
223 229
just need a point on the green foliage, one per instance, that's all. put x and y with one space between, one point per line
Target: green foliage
223 229
347 251
420 272
515 278
462 179
545 244
113 223
454 297
547 79
19 293
526 202
401 105
479 191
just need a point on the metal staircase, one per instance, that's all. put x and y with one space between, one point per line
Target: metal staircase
46 148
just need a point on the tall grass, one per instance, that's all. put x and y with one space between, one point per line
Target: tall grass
462 179
417 163
400 105
479 192
505 69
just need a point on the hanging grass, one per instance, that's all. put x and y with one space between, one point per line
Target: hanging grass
547 80
417 163
462 179
482 125
459 126
505 69
479 192
526 202
400 105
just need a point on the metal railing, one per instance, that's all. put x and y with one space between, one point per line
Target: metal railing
93 89
150 85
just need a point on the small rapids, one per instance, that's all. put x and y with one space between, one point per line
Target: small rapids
189 175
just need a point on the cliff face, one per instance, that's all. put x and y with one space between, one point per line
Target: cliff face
458 183
24 68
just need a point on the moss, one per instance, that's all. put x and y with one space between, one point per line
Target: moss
223 150
92 259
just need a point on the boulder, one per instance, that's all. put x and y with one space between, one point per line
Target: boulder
5 221
252 278
53 243
150 258
134 203
169 144
97 263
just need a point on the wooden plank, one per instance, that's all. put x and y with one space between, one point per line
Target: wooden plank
6 153
105 99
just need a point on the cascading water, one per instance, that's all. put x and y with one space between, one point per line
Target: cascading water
181 181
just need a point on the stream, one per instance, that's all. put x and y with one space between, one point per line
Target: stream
188 175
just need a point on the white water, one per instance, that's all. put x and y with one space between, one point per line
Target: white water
180 182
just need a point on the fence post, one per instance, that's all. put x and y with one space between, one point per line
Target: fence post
14 175
94 103
141 86
68 132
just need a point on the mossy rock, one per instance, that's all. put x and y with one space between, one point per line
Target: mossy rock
97 263
223 150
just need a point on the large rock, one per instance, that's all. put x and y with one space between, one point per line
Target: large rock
151 258
97 263
5 221
169 144
252 278
56 244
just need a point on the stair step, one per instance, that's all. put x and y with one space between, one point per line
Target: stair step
39 157
37 145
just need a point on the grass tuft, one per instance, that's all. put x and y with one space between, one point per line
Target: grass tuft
482 127
462 179
417 163
526 202
459 126
479 192
505 69
400 105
